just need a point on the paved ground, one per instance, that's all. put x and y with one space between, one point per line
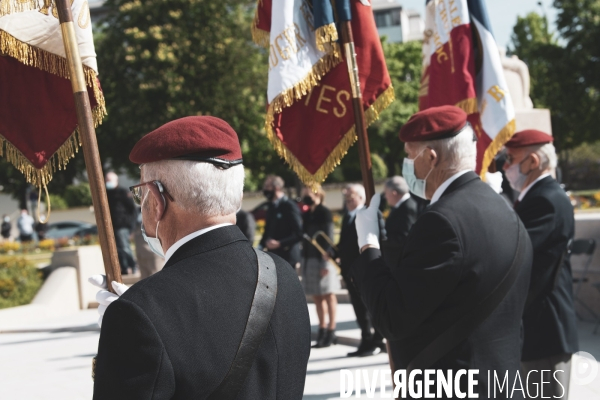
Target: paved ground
52 360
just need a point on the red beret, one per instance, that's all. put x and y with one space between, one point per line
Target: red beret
529 137
203 139
434 123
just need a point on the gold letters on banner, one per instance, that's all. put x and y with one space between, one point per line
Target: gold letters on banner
288 42
496 93
326 95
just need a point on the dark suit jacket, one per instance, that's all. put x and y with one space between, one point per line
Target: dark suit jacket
284 223
122 208
348 250
455 254
550 323
174 334
397 226
245 221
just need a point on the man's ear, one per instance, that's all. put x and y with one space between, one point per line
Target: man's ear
156 205
433 157
536 163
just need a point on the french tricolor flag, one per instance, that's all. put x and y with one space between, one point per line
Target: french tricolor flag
462 67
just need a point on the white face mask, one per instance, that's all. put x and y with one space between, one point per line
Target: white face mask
515 177
416 186
153 242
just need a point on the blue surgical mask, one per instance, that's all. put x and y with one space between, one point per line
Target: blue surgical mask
111 185
416 186
153 242
515 177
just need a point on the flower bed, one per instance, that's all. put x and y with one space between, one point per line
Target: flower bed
20 280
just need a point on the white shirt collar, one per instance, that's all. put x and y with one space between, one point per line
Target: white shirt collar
189 237
402 200
524 191
352 213
442 188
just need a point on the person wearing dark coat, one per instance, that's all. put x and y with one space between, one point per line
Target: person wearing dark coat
319 276
283 225
200 328
402 216
245 221
550 323
6 227
465 243
348 252
123 216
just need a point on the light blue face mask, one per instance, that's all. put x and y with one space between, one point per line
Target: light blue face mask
416 186
111 185
153 242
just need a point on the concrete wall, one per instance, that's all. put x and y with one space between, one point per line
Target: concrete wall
587 226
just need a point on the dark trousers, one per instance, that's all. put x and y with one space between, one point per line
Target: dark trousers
124 249
362 315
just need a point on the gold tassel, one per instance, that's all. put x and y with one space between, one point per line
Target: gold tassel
259 36
325 35
334 159
468 105
304 86
57 65
501 138
15 6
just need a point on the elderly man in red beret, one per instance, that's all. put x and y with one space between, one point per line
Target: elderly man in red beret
455 298
221 320
549 321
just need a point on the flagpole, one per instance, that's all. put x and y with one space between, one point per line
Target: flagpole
87 133
364 151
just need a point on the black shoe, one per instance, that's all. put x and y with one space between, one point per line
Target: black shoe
366 349
320 337
381 345
328 340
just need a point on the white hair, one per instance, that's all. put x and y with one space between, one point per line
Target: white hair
547 155
358 189
398 184
199 186
458 152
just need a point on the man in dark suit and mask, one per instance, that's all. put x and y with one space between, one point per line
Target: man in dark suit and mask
455 298
403 215
348 252
283 227
219 321
550 325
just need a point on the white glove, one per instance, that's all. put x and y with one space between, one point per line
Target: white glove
494 180
104 297
367 224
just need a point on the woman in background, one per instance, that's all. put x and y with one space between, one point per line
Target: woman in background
320 278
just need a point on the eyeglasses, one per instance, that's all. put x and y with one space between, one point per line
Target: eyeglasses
155 186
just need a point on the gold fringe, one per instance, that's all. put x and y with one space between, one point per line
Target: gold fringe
334 159
15 6
324 35
57 65
501 138
304 86
259 36
468 105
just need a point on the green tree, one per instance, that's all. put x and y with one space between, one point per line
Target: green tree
163 60
561 72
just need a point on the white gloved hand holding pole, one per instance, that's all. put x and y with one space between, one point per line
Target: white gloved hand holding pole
104 297
367 224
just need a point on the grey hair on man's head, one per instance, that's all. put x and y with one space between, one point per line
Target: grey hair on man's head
547 154
358 189
276 181
198 186
398 184
456 153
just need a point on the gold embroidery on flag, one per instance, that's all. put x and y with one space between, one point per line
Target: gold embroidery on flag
259 36
325 36
468 105
334 159
15 6
56 65
501 138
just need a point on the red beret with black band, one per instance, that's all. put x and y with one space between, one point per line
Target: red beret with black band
433 124
529 137
203 139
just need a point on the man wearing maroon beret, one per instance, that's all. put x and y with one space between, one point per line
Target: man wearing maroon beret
219 321
455 298
549 321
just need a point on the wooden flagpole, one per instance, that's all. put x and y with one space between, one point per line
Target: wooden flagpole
364 151
90 145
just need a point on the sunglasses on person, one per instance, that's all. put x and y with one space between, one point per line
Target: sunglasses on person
154 186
